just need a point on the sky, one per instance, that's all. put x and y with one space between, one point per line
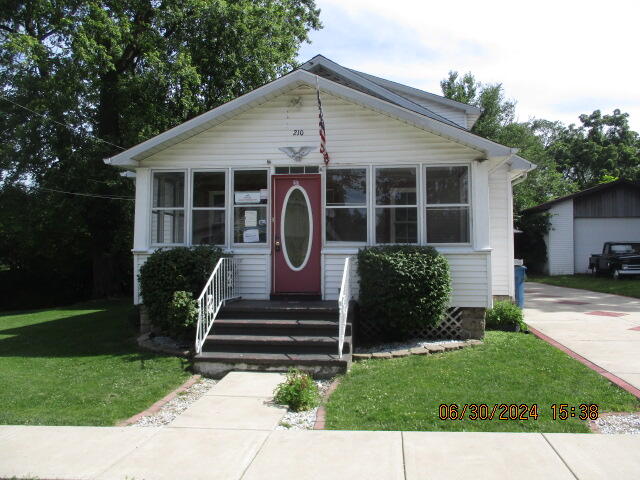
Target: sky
557 59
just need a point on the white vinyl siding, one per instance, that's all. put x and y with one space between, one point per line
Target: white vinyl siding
500 207
354 135
253 275
560 239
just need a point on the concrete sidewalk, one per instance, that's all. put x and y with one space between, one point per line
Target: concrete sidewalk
229 434
603 328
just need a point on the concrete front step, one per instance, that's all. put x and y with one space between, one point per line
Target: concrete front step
278 310
275 335
254 326
218 364
275 344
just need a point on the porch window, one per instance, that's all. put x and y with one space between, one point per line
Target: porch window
396 205
167 211
447 204
346 205
250 195
208 210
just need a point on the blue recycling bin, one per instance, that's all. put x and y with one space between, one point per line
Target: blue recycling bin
521 276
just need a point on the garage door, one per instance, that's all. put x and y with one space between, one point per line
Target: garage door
590 233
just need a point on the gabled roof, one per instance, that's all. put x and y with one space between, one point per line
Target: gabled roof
582 193
368 94
329 69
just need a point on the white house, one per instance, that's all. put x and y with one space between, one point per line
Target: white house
403 167
582 222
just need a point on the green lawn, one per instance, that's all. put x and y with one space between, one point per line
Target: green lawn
510 368
78 365
626 286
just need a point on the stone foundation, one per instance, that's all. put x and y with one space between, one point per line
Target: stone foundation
472 323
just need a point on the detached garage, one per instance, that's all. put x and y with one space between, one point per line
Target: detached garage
583 221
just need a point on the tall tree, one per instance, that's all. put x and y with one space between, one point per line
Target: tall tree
497 123
602 148
122 70
497 111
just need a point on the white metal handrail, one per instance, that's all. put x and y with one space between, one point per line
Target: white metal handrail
343 303
220 287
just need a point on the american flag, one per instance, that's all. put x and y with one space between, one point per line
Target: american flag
323 132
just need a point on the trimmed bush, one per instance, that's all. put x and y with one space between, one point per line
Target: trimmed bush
402 287
182 313
505 315
168 271
298 392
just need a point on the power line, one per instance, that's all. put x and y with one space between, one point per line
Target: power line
62 124
108 197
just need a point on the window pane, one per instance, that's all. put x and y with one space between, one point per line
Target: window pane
346 224
208 189
208 227
395 186
250 183
347 186
448 225
396 225
447 185
167 226
250 225
297 229
168 189
282 170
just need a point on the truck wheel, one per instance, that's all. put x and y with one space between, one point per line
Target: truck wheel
594 271
616 275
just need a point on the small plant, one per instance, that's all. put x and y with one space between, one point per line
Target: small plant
505 315
182 312
298 392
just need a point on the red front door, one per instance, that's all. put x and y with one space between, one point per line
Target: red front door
296 234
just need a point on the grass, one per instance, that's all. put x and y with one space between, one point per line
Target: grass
511 368
626 286
79 365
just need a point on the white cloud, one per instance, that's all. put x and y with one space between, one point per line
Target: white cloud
558 59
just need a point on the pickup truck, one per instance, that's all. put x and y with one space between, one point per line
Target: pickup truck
617 259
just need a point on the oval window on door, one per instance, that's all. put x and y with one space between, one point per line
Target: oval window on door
297 228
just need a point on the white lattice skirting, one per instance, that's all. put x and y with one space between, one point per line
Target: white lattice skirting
450 327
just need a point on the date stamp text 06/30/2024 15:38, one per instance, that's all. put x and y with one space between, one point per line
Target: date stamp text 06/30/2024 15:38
504 411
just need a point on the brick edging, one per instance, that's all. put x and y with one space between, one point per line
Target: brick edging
156 406
605 373
321 414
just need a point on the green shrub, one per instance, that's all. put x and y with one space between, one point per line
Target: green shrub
168 271
505 315
402 287
182 313
299 391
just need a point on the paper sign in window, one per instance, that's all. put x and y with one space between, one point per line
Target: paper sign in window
251 235
250 218
247 197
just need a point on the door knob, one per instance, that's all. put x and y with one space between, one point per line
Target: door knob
277 245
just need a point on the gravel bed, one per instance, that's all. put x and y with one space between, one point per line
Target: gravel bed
170 410
613 423
387 347
303 420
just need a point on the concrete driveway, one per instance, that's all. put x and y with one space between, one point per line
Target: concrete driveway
602 328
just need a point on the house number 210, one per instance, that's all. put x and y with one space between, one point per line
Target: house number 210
298 133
